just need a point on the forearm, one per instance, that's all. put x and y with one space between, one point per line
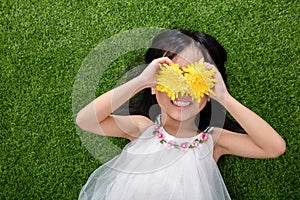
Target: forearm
260 132
102 107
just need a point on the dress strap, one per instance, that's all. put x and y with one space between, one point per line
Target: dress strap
208 129
157 120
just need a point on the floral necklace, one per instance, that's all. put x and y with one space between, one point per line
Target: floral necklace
170 142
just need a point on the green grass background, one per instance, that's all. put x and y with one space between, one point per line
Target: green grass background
43 44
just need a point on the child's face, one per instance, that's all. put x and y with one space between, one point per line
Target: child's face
184 107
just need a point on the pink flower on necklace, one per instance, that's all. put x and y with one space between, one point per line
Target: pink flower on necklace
156 127
184 145
160 136
170 144
196 143
170 141
204 136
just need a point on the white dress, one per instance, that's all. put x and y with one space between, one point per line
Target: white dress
158 166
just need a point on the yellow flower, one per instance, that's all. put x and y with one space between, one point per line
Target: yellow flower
194 80
200 79
171 81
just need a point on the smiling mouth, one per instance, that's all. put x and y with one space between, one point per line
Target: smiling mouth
181 103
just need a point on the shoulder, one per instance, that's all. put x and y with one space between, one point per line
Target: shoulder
226 142
129 127
141 123
217 149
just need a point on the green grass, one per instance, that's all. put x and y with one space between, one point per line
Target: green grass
44 43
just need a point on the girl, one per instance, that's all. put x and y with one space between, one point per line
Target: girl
175 41
171 158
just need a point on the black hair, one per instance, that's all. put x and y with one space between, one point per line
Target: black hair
170 43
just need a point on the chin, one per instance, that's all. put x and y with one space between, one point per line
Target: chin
184 115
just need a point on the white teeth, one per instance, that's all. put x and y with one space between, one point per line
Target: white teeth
182 103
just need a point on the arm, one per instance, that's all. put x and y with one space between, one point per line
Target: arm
96 117
262 141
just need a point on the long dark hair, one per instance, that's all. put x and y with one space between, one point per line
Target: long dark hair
170 43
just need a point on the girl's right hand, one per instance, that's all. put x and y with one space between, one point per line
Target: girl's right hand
149 74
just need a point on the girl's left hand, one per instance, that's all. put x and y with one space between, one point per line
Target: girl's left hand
220 87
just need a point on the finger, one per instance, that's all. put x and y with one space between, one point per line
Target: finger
209 66
168 61
165 60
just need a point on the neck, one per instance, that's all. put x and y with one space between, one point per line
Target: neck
185 128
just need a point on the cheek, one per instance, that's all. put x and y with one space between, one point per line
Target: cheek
162 98
203 103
